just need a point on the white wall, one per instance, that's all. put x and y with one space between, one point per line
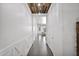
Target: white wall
15 25
62 28
54 30
70 15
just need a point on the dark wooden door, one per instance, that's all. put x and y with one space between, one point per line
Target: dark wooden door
77 31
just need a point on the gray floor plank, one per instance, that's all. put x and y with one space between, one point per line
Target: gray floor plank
40 48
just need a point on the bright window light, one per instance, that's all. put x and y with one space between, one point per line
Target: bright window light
43 20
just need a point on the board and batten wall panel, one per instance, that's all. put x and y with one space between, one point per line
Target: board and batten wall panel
70 15
15 25
54 30
61 28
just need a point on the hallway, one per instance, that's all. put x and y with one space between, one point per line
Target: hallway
31 28
40 48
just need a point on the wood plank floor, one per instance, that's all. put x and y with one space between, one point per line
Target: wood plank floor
40 48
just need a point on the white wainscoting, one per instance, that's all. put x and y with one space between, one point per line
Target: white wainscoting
20 48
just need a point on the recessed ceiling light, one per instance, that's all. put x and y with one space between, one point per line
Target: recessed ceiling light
38 4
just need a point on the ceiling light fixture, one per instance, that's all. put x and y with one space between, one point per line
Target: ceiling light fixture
38 4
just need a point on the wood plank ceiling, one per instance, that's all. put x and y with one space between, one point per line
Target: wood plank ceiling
39 7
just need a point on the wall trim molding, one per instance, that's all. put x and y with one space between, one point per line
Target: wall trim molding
12 46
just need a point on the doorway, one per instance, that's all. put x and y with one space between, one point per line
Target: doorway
40 47
77 32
